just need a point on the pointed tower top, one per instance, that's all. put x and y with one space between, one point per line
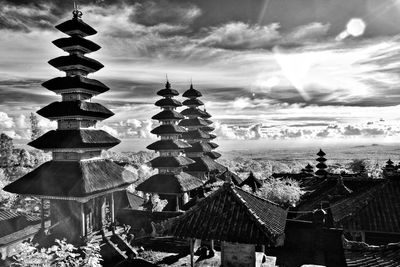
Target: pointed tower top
321 153
77 14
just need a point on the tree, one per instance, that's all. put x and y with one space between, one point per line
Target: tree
24 158
7 199
35 129
6 150
358 165
61 254
286 192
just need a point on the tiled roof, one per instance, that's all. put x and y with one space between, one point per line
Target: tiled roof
75 60
170 183
376 210
233 215
72 179
362 255
8 214
76 138
75 82
177 161
70 27
74 41
75 108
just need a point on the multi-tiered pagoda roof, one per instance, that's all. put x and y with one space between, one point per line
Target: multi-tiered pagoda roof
171 180
321 166
77 181
199 135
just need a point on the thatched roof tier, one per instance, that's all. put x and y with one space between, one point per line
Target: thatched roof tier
72 179
205 114
205 164
168 144
170 183
207 129
321 165
78 138
168 129
168 102
75 108
213 154
193 112
233 215
76 43
198 147
321 153
166 162
208 121
76 61
167 91
191 93
167 115
75 83
76 27
213 145
196 134
193 122
321 172
193 102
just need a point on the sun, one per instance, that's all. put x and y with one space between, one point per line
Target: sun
355 27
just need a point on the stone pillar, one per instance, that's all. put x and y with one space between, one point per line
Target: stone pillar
42 219
112 209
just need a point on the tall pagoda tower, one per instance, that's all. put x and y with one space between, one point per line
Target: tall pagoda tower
170 182
78 183
199 137
321 166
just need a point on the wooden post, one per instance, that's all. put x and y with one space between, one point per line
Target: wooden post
212 245
191 243
177 203
42 215
263 248
83 220
112 209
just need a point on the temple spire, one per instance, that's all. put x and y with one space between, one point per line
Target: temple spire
77 14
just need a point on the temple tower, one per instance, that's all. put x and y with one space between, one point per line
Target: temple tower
199 137
171 182
321 166
78 183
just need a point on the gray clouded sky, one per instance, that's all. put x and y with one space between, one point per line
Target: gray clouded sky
268 69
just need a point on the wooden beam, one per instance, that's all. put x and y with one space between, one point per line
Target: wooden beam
191 243
42 219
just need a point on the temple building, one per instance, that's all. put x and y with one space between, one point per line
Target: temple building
171 182
199 137
77 181
321 166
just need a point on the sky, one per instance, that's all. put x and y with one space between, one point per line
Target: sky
297 70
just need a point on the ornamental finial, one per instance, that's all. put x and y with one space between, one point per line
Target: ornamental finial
77 14
167 84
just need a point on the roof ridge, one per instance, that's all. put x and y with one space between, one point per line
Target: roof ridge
261 198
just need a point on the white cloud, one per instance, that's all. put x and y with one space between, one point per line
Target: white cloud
6 121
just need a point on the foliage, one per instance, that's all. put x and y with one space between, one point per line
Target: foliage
158 204
62 254
286 192
357 165
7 199
6 149
35 129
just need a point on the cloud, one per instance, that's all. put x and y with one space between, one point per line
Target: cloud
6 121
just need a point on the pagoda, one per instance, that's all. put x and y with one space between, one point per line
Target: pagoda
77 181
321 166
171 182
199 137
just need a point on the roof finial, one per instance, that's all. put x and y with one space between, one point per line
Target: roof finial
167 84
191 83
77 14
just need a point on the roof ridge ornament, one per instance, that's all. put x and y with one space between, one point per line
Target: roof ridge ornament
77 14
167 84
